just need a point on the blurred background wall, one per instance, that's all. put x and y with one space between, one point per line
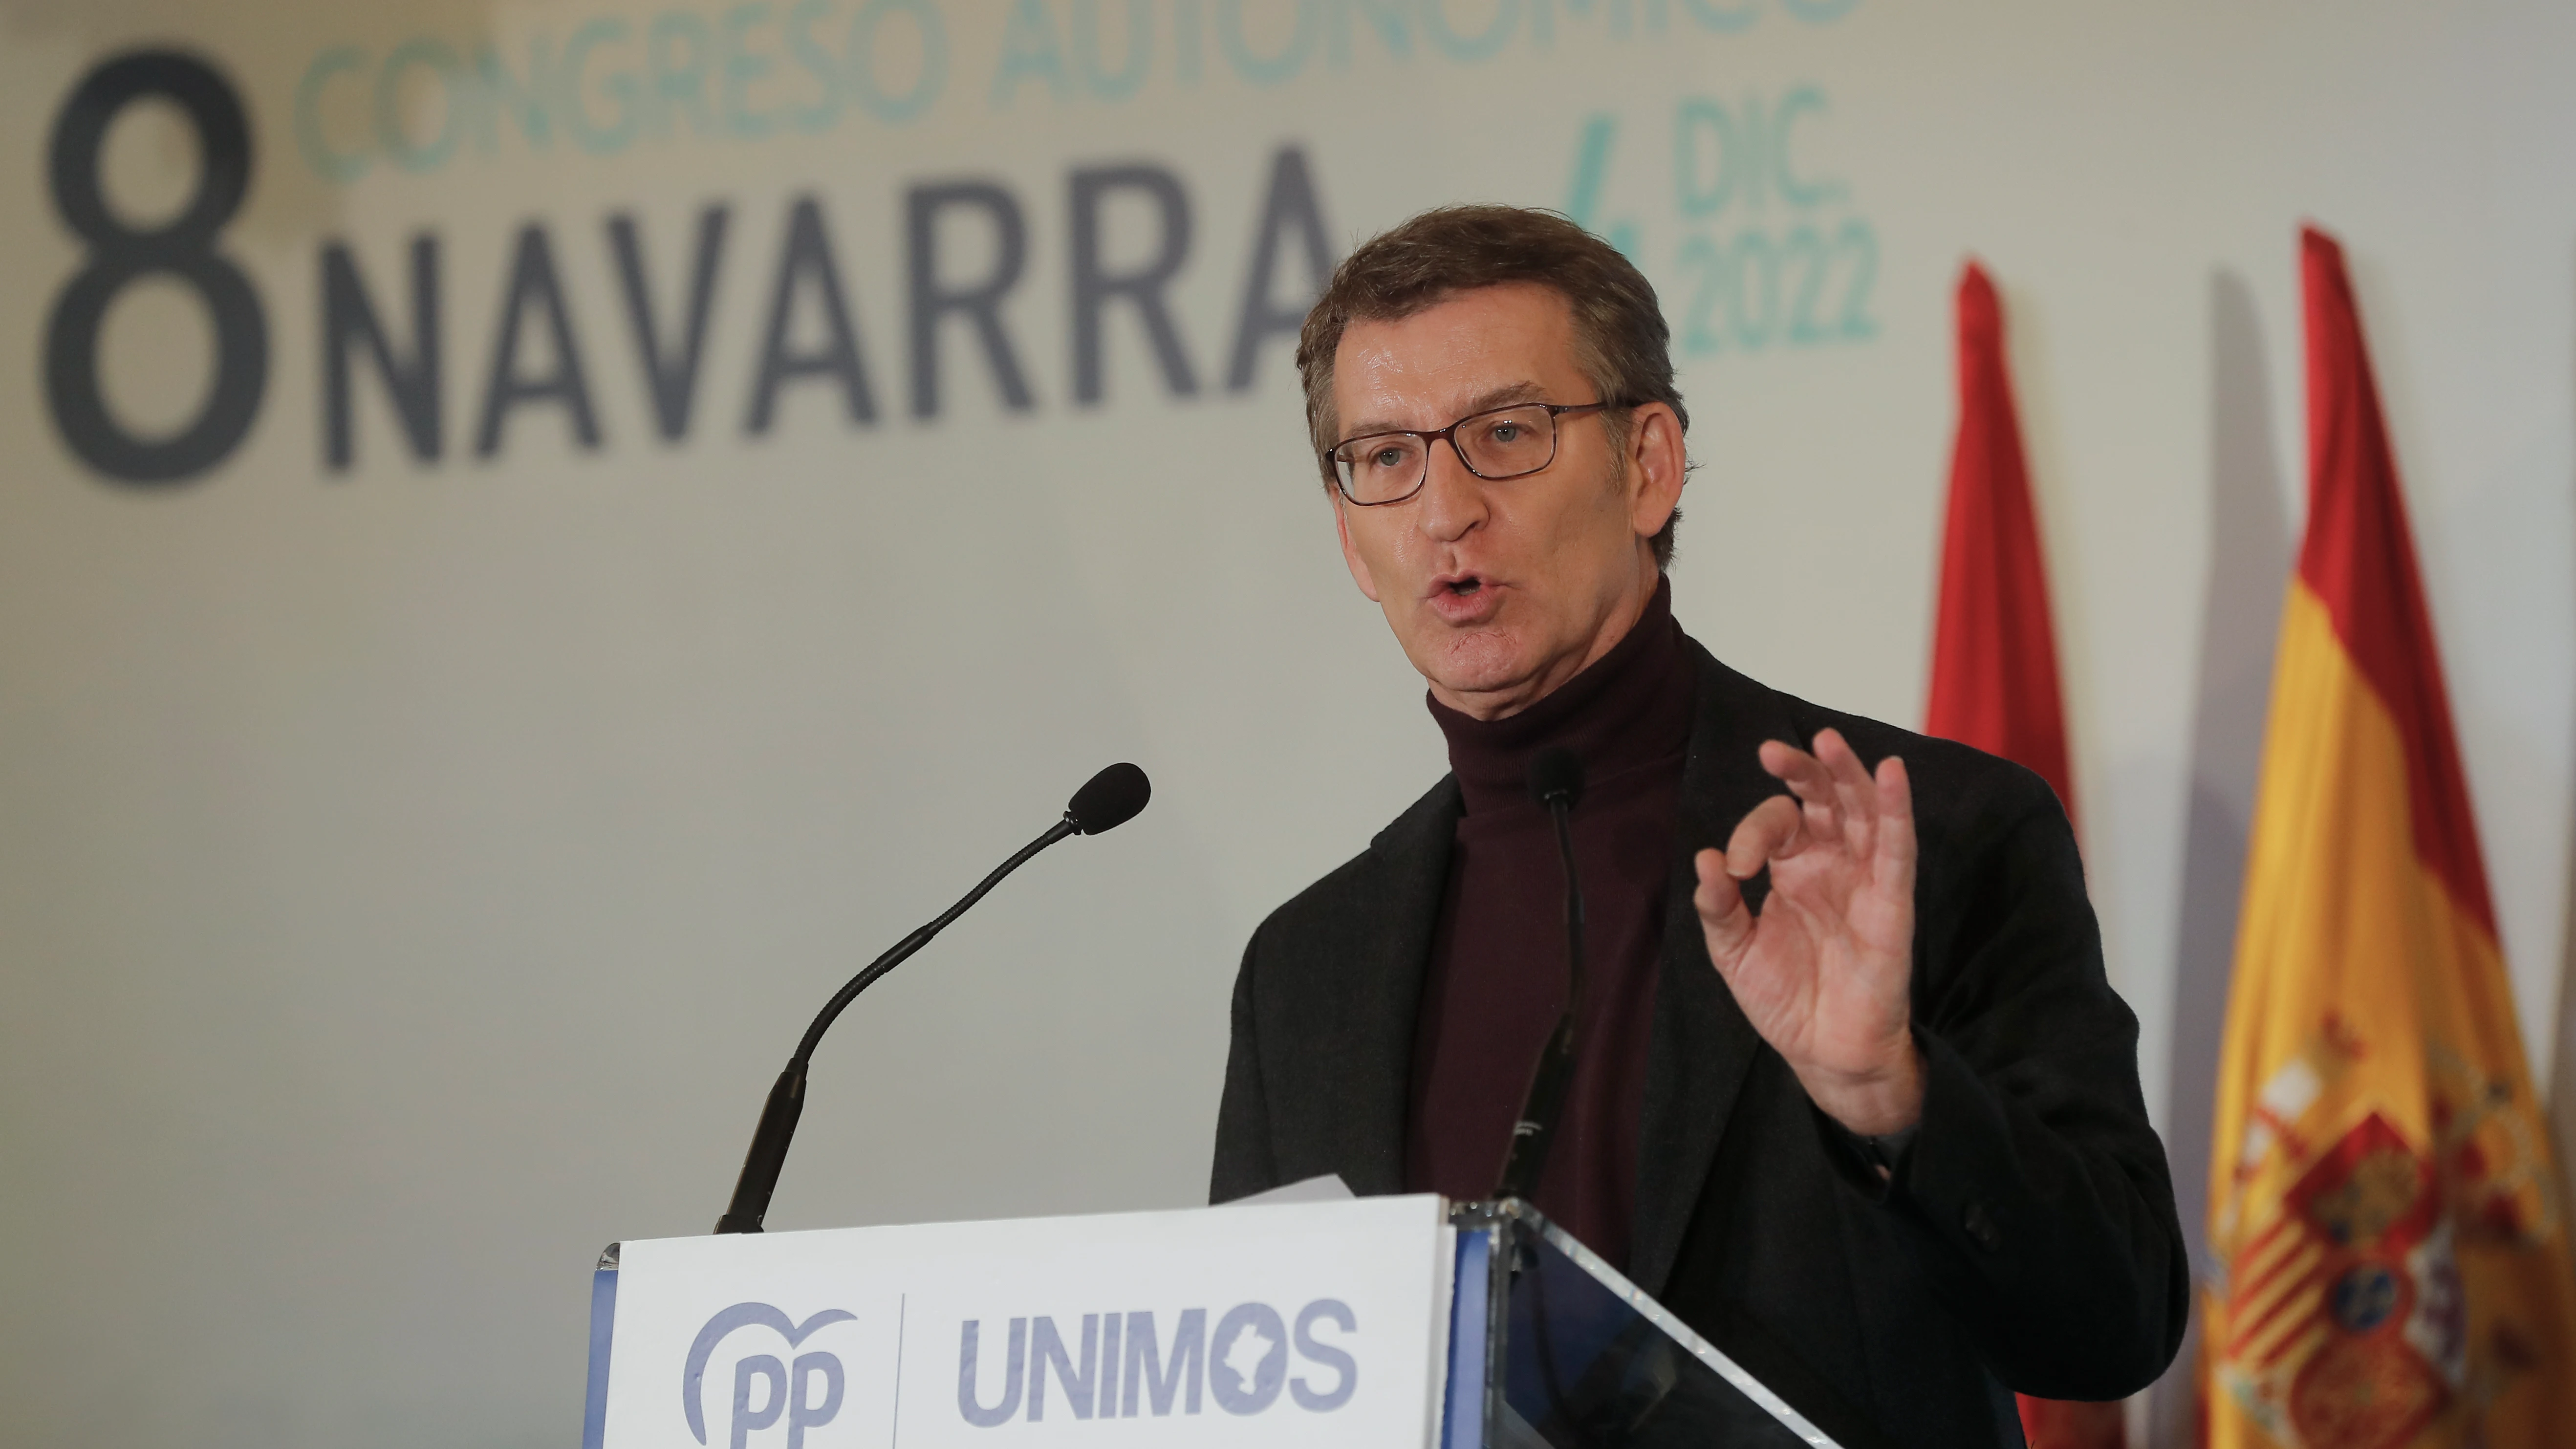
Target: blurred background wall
417 853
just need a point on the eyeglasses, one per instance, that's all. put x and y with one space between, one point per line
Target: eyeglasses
1383 468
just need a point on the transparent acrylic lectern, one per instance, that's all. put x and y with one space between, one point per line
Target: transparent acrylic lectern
1400 1322
1550 1348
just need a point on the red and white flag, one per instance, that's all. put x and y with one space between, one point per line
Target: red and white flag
1994 657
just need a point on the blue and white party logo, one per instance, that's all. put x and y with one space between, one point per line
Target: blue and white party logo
807 1389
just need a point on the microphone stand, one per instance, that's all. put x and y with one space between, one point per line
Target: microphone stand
786 1103
1556 778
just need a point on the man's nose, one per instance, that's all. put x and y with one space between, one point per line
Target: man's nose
1452 498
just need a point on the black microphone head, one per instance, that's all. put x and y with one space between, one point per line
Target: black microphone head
1556 772
1109 799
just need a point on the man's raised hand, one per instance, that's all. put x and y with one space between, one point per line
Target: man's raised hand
1823 973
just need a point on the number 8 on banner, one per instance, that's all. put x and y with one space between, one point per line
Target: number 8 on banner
182 248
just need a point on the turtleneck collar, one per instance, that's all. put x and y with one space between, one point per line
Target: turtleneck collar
1628 709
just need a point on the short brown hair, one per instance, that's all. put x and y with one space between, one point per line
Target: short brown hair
1621 341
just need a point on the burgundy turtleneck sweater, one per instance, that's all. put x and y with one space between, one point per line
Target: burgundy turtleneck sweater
1497 973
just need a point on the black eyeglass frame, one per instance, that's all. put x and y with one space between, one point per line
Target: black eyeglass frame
1556 413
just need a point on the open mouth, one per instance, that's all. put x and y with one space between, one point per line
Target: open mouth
1464 599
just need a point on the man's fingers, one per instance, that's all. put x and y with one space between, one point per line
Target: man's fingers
1803 773
1854 793
1895 846
1836 756
1809 780
1773 830
1722 912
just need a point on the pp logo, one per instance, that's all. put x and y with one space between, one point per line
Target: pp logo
807 1391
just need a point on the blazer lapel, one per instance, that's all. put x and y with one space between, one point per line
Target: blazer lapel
1412 857
1701 1045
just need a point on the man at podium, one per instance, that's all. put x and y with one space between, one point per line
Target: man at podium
1852 1094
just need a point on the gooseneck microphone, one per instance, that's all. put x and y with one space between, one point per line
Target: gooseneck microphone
1556 782
1108 800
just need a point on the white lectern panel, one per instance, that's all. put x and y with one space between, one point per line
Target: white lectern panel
1254 1326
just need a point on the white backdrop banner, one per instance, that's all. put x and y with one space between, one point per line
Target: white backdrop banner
537 535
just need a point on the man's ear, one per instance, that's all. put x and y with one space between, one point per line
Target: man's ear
1351 556
1657 467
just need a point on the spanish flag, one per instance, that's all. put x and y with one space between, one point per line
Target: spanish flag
2392 1264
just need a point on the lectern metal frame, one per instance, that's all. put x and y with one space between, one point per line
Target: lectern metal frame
1552 1348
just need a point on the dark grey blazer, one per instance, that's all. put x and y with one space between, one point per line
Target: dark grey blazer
2028 1241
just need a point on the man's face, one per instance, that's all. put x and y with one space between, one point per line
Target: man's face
1501 591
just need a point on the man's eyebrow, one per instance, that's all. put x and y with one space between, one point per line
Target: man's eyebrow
1503 397
1486 401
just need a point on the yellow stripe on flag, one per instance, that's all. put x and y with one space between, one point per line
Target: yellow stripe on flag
2396 1271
